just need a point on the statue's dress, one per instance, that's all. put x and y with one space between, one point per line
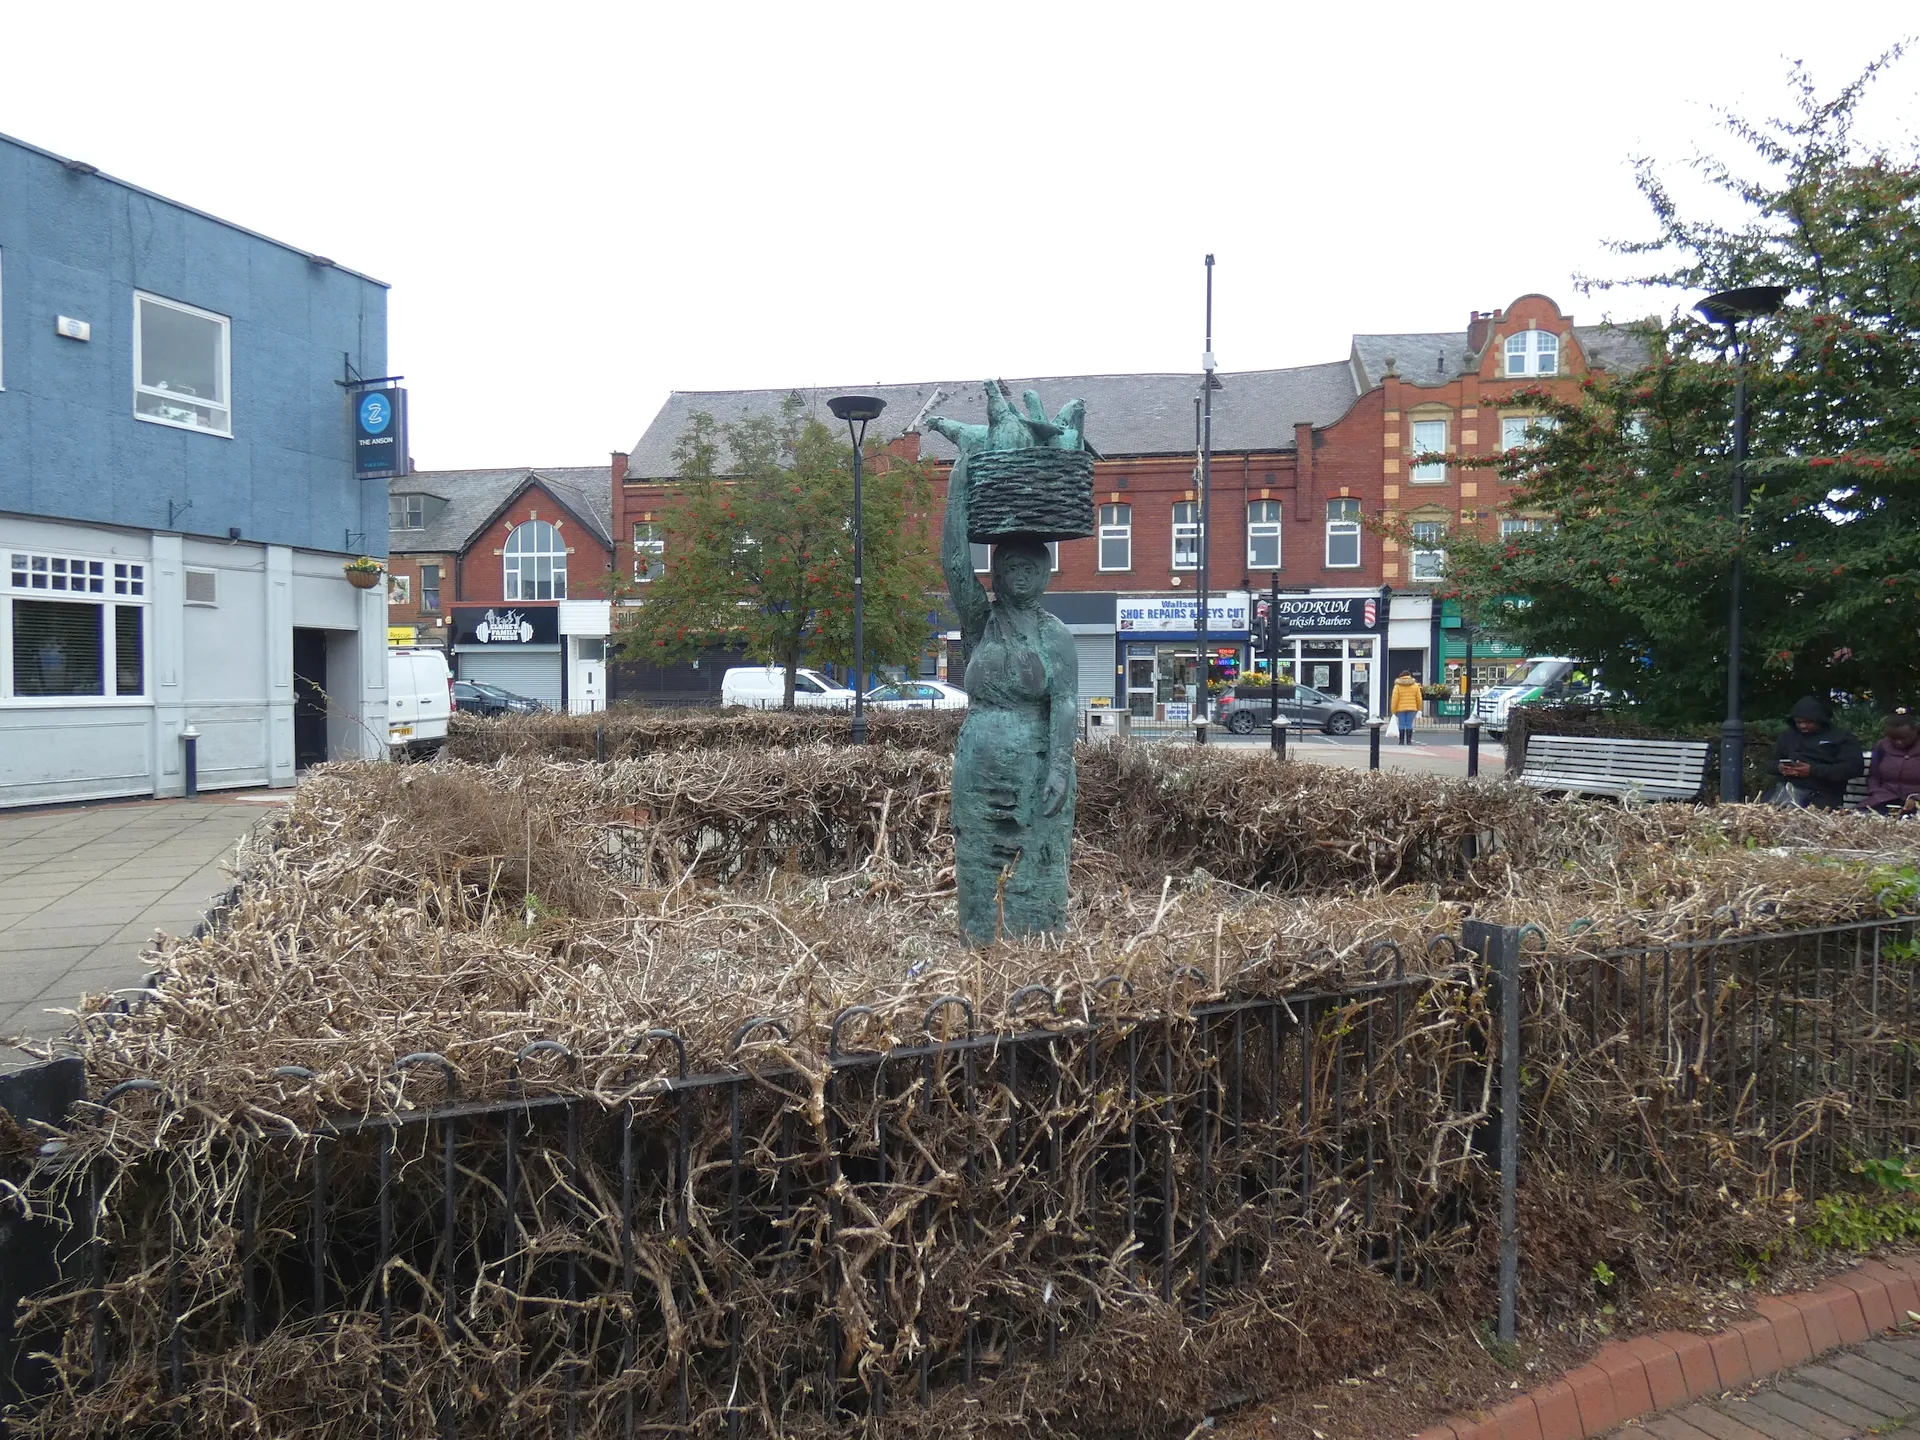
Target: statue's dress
1000 775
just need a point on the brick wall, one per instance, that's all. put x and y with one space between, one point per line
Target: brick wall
482 574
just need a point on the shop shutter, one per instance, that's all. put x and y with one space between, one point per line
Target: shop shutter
1097 679
534 674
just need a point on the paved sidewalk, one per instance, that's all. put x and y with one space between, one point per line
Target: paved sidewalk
83 888
1867 1390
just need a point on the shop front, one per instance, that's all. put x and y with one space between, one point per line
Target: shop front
516 647
1478 647
1160 656
1334 641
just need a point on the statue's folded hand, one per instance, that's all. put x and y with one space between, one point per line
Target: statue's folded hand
1055 793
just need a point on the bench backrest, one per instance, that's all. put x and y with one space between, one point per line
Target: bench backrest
1610 764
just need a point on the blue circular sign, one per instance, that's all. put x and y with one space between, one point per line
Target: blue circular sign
375 413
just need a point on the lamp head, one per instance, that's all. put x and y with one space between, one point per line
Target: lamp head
856 407
1730 306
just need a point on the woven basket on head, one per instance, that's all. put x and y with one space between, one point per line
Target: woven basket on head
1042 493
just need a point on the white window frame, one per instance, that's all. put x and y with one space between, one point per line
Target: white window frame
1428 557
121 582
1187 531
1521 424
985 567
654 545
1536 351
226 366
1119 531
1433 472
1342 528
510 571
1511 525
1266 530
410 505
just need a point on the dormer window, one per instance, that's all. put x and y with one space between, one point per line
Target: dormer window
1533 352
406 512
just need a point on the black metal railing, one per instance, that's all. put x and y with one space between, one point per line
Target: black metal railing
811 1237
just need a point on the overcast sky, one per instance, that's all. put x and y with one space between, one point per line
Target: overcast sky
581 207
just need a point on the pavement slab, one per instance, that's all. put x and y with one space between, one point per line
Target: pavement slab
84 888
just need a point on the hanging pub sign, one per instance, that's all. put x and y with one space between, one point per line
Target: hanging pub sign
379 433
506 627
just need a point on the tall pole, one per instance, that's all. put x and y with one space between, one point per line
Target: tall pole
859 733
1206 508
1274 631
1733 732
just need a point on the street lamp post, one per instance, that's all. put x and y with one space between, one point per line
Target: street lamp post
1729 308
1206 505
857 410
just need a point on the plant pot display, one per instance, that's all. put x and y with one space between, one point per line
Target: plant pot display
1038 492
364 573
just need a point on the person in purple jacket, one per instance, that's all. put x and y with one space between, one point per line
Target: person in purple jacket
1893 775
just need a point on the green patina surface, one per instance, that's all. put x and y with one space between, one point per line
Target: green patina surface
1013 779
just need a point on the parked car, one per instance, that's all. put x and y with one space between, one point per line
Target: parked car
419 699
475 697
764 687
918 695
1555 678
1249 705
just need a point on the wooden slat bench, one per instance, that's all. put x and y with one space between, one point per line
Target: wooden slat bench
1641 769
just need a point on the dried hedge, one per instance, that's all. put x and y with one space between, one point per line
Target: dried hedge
629 732
472 910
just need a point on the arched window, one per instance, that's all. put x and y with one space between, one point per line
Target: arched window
536 562
1533 352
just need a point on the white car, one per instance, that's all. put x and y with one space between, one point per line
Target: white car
918 695
764 687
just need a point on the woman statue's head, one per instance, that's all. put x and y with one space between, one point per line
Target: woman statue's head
1020 571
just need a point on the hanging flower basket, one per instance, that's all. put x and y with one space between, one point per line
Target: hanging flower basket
364 573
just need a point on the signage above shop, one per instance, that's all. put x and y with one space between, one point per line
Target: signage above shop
506 627
1338 614
379 433
1226 613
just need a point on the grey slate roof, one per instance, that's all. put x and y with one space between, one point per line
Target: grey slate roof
1433 358
474 496
1126 414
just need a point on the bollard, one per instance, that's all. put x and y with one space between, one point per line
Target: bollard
1199 732
190 759
1373 744
1471 730
600 744
1280 736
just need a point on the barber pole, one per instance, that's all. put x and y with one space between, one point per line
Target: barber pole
1371 610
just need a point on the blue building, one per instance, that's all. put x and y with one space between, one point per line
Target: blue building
177 496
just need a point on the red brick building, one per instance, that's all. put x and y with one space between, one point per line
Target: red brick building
1307 463
507 570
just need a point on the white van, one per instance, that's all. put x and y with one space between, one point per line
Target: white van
764 687
419 700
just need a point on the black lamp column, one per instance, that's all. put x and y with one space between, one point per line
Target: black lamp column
857 410
1206 506
1729 308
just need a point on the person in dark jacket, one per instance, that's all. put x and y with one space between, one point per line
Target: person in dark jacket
1816 755
1893 775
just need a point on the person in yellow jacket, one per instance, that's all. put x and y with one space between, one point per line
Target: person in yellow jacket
1405 704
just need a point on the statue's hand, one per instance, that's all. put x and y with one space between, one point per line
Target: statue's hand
1055 794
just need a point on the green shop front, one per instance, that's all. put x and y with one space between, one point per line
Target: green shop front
1493 657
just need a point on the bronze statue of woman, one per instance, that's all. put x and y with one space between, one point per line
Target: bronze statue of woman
1013 781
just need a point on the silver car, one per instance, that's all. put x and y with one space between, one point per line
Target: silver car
1246 706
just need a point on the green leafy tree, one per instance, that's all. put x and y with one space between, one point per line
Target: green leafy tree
760 549
1631 569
